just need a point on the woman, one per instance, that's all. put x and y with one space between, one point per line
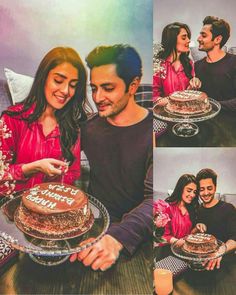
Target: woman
39 141
182 210
173 68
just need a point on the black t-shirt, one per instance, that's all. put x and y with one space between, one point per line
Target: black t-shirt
219 79
120 160
220 220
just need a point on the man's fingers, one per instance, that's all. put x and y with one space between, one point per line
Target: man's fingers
89 259
106 266
218 262
80 255
73 257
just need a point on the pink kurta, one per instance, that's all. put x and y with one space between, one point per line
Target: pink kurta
167 80
21 144
179 225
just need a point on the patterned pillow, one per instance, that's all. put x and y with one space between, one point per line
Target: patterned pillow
175 265
6 252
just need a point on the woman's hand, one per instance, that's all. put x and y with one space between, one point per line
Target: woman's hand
161 101
49 166
195 83
201 227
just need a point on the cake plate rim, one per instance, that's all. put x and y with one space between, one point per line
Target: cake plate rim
215 109
14 242
195 262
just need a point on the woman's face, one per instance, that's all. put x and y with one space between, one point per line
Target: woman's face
60 85
182 44
189 193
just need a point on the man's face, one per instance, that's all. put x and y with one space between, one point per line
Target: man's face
108 90
207 190
205 39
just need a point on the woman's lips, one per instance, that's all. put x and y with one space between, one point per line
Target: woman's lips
61 99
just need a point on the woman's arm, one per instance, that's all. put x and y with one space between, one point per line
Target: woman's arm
157 87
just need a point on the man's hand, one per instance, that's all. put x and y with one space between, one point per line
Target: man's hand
212 264
102 255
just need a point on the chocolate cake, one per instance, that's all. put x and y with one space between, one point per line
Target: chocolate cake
54 211
200 243
188 102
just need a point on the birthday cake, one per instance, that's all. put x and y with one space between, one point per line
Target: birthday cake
188 102
200 243
54 211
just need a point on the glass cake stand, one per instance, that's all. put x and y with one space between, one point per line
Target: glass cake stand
51 252
185 126
195 260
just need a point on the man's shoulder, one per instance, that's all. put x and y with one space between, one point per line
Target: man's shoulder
227 206
231 57
92 119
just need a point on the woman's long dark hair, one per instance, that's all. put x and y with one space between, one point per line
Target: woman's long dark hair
169 41
70 116
176 196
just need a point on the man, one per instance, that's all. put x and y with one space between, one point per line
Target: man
217 71
118 145
218 216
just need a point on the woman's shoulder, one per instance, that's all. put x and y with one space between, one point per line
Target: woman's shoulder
16 108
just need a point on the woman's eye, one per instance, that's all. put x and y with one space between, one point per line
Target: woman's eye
73 85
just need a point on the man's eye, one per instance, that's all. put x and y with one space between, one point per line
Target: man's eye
58 81
93 89
109 89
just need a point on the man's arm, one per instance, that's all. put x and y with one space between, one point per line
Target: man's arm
137 225
228 105
134 228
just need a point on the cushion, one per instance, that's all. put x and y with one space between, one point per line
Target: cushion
19 85
5 96
175 265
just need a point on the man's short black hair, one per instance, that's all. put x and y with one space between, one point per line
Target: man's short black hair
218 27
126 58
207 173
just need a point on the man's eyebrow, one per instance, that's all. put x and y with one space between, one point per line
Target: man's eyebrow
103 85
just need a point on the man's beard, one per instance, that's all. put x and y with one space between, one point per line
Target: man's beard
209 199
113 111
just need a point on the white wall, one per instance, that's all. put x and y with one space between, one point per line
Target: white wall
30 28
192 13
171 163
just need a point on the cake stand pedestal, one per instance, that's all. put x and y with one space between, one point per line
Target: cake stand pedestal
52 252
185 126
195 261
